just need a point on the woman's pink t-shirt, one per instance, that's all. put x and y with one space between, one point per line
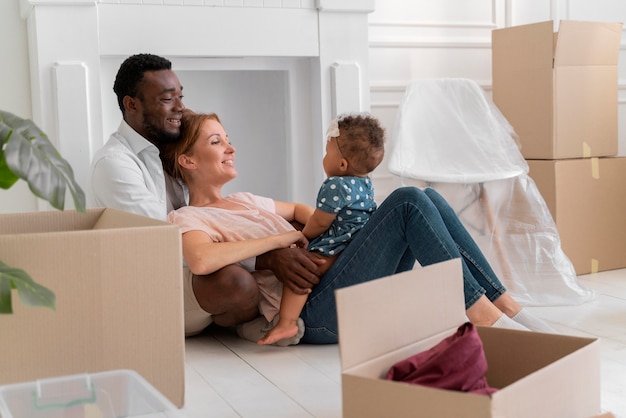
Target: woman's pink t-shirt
258 220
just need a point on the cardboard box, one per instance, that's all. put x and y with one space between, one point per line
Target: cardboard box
559 90
117 393
388 320
587 199
118 284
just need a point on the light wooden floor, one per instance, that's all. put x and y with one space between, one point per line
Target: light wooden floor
230 377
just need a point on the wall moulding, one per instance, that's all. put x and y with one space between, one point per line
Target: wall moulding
217 38
430 43
435 24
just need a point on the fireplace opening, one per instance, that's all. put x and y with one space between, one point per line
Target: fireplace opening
253 108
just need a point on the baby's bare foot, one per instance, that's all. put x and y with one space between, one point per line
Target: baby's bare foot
279 332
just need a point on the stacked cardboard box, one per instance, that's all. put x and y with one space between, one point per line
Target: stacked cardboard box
559 92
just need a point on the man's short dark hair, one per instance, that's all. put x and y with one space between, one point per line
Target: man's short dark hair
131 73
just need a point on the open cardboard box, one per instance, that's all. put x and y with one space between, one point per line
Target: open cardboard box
559 89
390 319
119 299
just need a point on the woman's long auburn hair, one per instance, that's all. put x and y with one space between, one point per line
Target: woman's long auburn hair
191 125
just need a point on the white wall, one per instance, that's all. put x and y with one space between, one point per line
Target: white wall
448 38
408 40
15 91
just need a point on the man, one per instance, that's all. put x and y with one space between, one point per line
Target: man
127 174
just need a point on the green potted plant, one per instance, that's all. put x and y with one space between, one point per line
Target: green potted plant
26 153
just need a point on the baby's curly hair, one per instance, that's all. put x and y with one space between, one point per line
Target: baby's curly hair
131 73
362 141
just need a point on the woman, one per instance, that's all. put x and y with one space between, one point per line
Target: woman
410 225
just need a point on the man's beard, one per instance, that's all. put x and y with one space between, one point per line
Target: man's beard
167 138
159 136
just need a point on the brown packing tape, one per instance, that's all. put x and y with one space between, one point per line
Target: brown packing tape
595 168
586 150
595 264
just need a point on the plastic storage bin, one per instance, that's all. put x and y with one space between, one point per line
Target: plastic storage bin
119 393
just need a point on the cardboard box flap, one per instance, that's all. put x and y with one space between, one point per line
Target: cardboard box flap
536 50
429 299
49 221
71 221
587 43
114 218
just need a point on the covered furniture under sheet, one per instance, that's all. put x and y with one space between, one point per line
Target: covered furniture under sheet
450 136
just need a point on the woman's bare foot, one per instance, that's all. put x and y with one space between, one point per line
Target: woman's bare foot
280 332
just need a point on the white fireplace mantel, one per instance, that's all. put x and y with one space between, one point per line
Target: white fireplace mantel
69 40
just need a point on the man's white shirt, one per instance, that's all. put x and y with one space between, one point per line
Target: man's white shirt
127 174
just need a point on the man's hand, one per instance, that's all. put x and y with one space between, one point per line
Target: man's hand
295 267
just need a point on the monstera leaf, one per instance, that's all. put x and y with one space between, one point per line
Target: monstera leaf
30 293
26 153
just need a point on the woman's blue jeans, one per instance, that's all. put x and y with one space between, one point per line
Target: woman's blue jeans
411 224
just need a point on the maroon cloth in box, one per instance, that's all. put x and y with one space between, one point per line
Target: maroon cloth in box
456 363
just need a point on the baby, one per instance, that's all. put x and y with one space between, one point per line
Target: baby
345 202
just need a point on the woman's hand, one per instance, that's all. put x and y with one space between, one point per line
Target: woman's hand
204 256
292 239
